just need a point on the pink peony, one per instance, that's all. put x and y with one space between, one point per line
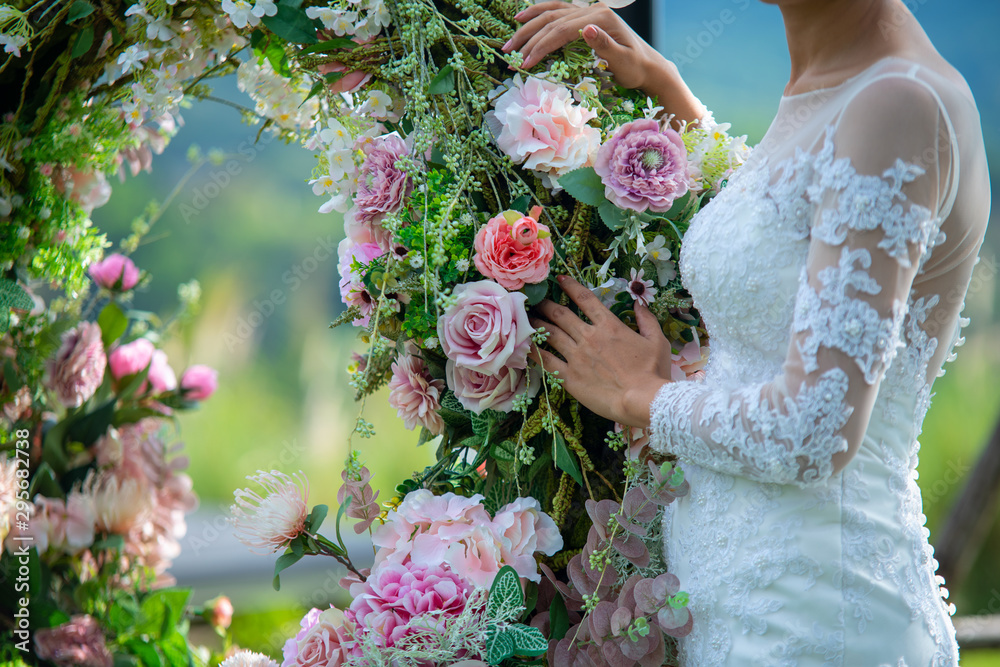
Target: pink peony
352 290
77 643
325 640
396 595
643 167
89 189
115 272
478 391
199 382
381 186
78 367
522 529
538 124
486 328
416 395
270 521
513 249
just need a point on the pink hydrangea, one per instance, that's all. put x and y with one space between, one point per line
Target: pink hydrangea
325 640
352 289
514 249
382 187
415 394
77 643
115 272
396 594
199 382
643 166
478 391
77 370
486 328
538 124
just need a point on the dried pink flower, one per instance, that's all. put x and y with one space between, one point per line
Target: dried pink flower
269 522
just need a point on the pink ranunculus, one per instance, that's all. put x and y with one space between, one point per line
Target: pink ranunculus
382 187
514 249
522 529
77 370
77 643
478 391
538 124
161 375
199 382
486 328
415 394
115 272
643 167
325 640
89 189
396 595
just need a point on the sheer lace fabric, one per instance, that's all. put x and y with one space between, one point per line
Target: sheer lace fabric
831 273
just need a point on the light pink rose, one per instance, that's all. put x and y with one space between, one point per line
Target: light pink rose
486 328
115 272
89 189
522 529
199 382
415 394
478 391
325 640
161 375
538 124
395 594
514 249
77 370
77 643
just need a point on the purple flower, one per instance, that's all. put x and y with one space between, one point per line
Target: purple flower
381 186
643 167
78 368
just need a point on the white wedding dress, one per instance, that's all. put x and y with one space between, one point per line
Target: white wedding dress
830 273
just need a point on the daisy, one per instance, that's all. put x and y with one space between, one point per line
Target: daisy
641 290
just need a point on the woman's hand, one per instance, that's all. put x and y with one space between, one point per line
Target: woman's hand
552 25
608 367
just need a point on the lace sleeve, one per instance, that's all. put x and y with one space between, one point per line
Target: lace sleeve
876 216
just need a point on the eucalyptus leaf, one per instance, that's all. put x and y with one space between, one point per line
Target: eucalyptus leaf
536 292
521 203
584 185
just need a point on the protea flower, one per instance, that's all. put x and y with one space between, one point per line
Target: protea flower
272 520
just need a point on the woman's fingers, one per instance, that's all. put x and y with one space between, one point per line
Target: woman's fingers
560 341
563 318
649 326
589 304
531 12
548 361
530 30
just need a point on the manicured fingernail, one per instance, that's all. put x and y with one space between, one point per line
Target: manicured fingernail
507 45
517 17
560 278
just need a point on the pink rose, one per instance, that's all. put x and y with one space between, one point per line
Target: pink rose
199 382
131 358
77 643
478 391
78 367
115 272
161 375
643 167
415 394
486 328
325 640
514 250
522 529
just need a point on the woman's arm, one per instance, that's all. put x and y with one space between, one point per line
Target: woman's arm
551 25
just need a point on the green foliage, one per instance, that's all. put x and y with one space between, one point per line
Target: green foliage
504 638
12 295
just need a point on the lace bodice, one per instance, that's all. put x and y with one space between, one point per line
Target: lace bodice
830 273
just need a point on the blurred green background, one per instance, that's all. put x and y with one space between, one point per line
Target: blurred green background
266 261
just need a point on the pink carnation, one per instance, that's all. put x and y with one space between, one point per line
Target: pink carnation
325 640
478 391
643 167
416 395
395 594
382 187
514 249
115 272
78 367
538 124
77 643
199 382
486 328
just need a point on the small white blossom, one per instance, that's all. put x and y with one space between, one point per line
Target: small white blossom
609 289
132 58
263 8
376 104
341 162
462 265
336 135
659 255
416 260
323 185
340 21
240 13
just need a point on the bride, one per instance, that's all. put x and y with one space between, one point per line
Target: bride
830 273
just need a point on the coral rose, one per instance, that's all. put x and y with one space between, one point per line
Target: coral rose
514 249
643 167
478 391
486 328
78 367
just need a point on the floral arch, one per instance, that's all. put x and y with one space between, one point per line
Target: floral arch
467 184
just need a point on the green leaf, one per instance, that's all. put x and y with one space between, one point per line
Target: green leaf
109 543
161 611
45 483
12 295
133 414
584 185
145 651
565 459
133 384
504 451
84 40
527 640
443 81
113 323
452 412
316 518
558 618
92 426
521 204
284 562
292 25
613 217
536 292
341 511
79 10
678 206
499 645
335 44
506 598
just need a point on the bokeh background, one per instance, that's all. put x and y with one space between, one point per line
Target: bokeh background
266 261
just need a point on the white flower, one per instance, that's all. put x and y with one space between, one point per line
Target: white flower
462 265
340 21
132 58
659 256
263 8
609 289
641 290
336 135
341 162
248 659
272 520
240 13
628 106
376 104
13 43
650 111
416 260
340 201
133 112
586 86
323 185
